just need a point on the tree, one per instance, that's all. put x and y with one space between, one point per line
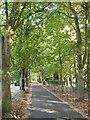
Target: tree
45 31
15 14
1 38
88 60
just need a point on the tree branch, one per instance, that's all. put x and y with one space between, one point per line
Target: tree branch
86 18
73 27
19 16
12 15
64 14
6 12
31 13
2 25
74 12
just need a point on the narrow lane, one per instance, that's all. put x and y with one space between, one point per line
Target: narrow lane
46 105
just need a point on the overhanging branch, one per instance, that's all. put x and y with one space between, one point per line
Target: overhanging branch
6 12
30 14
19 16
64 14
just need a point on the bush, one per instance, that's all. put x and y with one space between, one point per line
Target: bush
48 78
54 82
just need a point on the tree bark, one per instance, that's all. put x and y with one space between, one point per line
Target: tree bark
6 93
27 78
29 75
75 70
6 96
0 75
22 81
80 81
88 65
42 76
60 62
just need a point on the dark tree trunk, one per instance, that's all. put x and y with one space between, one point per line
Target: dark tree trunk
22 81
55 76
70 82
42 76
0 75
60 62
26 76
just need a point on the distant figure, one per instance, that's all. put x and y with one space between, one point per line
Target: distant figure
70 81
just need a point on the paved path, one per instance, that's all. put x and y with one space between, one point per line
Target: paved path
46 105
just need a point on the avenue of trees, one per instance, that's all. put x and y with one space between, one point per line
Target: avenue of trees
45 38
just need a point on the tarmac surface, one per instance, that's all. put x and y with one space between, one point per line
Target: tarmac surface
46 105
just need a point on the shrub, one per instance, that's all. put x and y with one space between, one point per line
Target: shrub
54 82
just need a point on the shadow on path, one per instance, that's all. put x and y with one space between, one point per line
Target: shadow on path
46 105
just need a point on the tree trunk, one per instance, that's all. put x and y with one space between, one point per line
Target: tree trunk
26 78
88 66
22 82
70 81
75 70
27 75
80 81
0 75
88 76
56 76
42 76
6 93
6 96
60 62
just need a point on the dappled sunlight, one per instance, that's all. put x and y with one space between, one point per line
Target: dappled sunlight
67 109
39 100
48 104
46 96
56 102
43 110
44 59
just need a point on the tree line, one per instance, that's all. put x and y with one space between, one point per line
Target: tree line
44 38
